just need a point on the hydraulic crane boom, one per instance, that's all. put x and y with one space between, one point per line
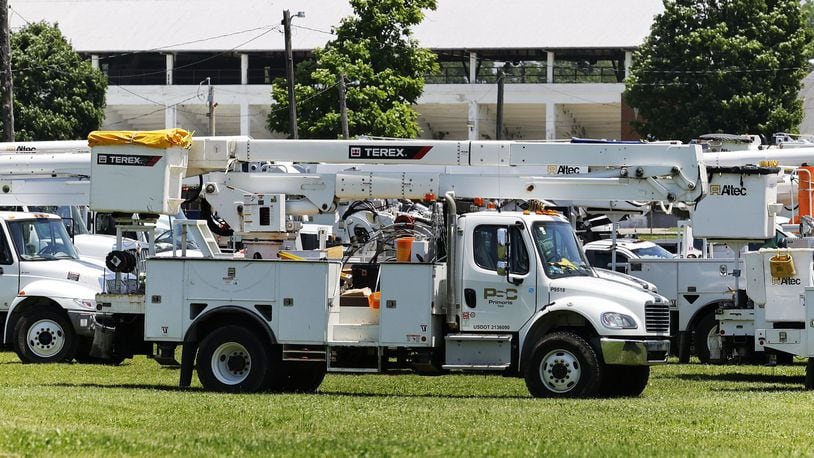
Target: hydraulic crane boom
412 169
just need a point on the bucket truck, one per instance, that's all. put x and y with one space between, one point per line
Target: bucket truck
47 292
713 311
506 292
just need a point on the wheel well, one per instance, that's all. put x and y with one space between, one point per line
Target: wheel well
556 321
28 304
228 316
701 313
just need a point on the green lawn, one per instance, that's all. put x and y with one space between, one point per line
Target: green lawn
136 409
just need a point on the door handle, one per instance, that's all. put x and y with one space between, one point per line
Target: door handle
469 297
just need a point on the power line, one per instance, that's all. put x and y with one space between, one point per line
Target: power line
312 29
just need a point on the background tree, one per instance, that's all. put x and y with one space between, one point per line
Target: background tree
57 94
384 69
731 66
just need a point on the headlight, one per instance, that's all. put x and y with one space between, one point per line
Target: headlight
87 303
618 321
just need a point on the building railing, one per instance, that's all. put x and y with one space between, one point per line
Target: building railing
447 75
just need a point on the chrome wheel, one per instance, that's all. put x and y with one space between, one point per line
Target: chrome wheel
231 363
560 371
45 338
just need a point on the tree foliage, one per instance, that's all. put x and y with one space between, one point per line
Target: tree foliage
731 66
57 94
384 69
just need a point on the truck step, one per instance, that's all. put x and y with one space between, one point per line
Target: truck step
165 355
477 367
304 353
356 370
478 337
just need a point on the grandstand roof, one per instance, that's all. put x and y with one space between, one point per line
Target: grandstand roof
99 26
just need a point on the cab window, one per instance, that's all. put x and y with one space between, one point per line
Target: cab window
484 247
5 250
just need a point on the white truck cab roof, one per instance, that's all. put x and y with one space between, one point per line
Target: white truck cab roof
599 252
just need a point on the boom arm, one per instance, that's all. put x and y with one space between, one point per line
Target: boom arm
410 169
45 173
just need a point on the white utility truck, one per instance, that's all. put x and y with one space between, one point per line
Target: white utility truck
711 312
506 292
47 291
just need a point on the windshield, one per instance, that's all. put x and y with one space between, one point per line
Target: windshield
653 252
559 250
41 240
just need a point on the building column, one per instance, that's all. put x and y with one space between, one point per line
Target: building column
170 113
550 121
94 61
473 67
170 59
549 63
244 69
245 120
472 123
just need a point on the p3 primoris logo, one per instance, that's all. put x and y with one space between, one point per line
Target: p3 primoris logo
387 152
127 159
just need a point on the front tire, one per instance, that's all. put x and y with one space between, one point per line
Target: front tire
233 359
44 336
625 381
563 365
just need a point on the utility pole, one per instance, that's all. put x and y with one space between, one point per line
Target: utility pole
289 72
343 106
6 86
499 116
211 104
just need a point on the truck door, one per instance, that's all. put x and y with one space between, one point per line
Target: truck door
492 302
9 272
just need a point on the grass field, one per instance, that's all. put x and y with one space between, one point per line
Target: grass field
136 409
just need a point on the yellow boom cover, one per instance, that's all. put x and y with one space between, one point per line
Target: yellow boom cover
165 138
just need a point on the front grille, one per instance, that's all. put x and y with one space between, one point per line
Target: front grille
657 317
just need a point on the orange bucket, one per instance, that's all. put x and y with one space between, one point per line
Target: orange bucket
374 300
404 247
805 189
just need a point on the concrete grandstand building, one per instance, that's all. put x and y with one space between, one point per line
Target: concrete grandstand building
565 61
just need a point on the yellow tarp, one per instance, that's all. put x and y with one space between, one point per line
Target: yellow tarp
165 138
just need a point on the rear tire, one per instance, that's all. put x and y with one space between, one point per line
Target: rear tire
626 381
44 336
304 377
701 336
809 382
233 359
563 365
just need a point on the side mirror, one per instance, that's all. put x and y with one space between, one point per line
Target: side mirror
502 251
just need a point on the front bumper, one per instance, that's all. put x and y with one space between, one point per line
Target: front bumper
634 352
82 322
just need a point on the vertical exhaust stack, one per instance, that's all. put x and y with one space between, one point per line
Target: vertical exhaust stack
452 261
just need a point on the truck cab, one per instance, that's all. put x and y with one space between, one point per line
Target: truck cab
47 294
558 305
